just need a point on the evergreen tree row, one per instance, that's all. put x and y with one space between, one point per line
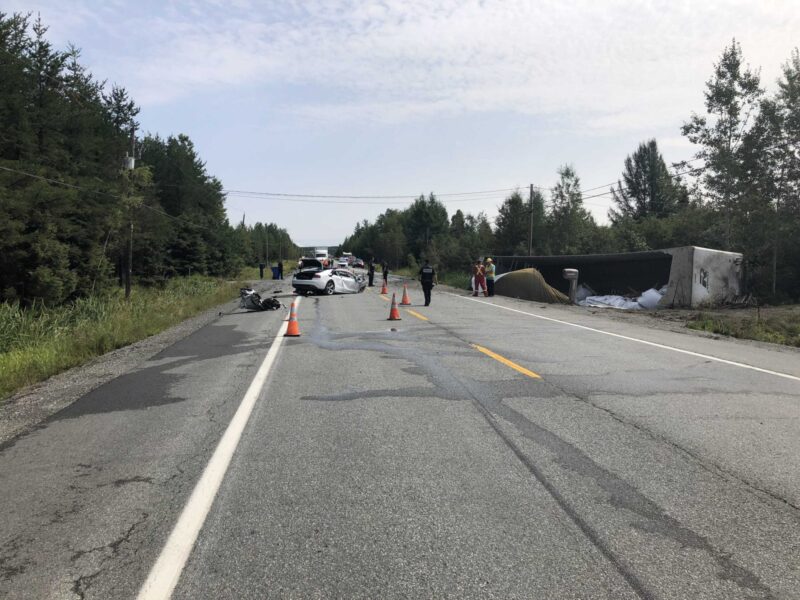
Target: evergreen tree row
741 193
68 207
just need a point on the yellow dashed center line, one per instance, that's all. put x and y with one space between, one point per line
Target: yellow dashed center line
385 298
506 362
416 314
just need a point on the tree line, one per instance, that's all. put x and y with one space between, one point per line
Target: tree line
68 207
740 192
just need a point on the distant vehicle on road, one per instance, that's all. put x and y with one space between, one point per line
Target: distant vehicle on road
358 263
328 281
321 254
343 263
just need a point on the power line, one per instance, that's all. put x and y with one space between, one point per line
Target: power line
256 195
61 183
369 197
332 198
600 187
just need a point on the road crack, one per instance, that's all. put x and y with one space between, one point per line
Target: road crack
111 551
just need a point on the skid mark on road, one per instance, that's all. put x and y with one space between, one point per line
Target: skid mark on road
651 518
626 501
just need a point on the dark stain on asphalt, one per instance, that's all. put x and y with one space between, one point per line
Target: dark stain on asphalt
413 371
149 387
10 563
137 479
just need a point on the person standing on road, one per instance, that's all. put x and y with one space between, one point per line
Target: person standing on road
427 277
385 268
371 271
490 269
280 269
480 278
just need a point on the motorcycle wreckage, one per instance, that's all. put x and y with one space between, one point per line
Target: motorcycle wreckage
251 300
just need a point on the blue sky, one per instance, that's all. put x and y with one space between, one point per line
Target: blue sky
392 97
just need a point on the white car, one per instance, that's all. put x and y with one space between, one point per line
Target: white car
343 264
328 281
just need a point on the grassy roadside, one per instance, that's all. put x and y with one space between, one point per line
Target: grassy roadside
38 343
777 325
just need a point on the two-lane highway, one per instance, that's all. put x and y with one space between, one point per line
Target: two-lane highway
478 448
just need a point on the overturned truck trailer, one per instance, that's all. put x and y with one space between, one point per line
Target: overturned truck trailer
694 276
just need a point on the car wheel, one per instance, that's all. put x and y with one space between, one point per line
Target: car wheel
329 288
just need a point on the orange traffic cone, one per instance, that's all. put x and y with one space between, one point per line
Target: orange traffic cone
394 314
406 301
293 330
384 289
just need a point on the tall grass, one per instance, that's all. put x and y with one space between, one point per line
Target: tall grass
779 329
38 342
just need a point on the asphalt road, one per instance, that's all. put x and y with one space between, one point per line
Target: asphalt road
474 449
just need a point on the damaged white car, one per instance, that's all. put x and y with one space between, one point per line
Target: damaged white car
328 281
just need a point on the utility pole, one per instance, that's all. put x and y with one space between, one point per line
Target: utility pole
530 233
130 163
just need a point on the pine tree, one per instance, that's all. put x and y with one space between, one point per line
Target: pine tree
570 225
732 99
512 226
647 189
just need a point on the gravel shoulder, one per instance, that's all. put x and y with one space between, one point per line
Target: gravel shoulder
23 411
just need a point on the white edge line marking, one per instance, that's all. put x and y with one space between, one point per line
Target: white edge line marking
633 339
167 569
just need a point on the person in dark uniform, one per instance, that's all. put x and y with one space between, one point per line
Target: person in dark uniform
427 277
280 270
385 268
371 271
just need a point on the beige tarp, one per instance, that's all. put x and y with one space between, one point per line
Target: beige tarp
528 284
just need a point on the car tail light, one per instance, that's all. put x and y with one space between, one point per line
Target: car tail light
317 276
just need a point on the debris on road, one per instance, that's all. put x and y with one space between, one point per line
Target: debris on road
251 300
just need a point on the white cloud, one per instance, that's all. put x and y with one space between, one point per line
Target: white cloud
609 65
